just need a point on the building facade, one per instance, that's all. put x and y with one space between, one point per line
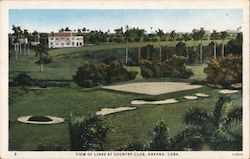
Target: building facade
65 39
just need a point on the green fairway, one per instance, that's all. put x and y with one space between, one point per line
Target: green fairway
130 126
126 127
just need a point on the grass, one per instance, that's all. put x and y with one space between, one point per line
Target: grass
56 52
136 125
126 127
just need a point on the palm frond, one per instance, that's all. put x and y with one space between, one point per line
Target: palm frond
228 137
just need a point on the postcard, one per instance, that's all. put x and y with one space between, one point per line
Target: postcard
124 79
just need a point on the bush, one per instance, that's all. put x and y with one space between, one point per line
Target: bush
40 119
134 146
22 79
161 139
225 71
174 67
87 134
91 75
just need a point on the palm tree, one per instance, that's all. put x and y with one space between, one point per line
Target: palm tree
214 36
186 37
26 35
218 128
195 36
140 35
201 34
173 35
127 36
41 52
160 35
224 35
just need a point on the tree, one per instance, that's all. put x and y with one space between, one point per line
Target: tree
201 35
186 37
18 33
214 36
173 35
41 52
161 139
224 35
87 134
127 35
218 128
140 35
195 37
160 35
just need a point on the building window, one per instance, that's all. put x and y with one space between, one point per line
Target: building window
56 38
73 44
80 44
67 38
73 38
68 43
51 38
51 43
77 44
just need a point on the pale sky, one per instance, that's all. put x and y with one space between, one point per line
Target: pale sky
181 20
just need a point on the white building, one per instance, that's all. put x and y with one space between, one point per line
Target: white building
65 39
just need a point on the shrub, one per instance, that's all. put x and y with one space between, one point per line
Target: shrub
22 79
134 146
225 71
48 147
91 75
161 139
174 67
87 134
40 119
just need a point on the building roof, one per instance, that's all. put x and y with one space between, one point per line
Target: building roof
68 34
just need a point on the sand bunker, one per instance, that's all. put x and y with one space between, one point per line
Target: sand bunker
227 91
153 88
106 111
166 101
204 95
191 97
55 120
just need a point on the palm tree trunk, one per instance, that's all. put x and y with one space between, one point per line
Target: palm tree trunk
222 50
201 52
139 54
214 50
160 53
41 67
28 49
20 47
126 56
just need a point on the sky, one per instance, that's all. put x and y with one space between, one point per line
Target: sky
181 20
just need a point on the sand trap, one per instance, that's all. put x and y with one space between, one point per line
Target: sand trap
106 111
204 95
153 88
166 101
55 120
191 97
227 91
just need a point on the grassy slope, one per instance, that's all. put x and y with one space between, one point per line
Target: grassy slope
126 127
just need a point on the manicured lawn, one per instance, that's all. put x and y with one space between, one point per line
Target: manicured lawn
126 127
131 126
198 71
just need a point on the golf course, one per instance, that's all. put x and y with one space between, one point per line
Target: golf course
69 100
